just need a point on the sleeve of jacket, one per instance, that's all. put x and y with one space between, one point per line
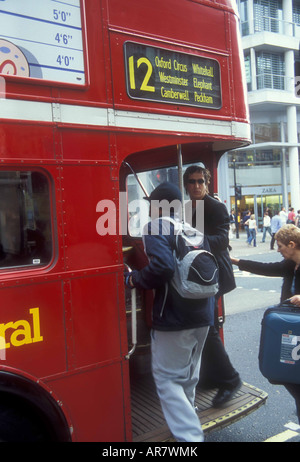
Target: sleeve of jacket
216 224
161 268
219 240
277 269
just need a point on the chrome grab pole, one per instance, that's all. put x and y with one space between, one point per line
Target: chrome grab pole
133 321
180 180
137 178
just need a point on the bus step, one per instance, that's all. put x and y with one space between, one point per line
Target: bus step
148 423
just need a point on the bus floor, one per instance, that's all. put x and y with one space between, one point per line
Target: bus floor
148 424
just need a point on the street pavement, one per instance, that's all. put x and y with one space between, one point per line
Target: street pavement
241 249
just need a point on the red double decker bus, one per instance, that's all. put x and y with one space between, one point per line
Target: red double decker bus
98 97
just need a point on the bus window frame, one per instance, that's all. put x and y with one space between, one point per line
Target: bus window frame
53 225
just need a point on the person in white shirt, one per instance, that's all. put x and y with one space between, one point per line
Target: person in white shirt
252 230
266 226
283 216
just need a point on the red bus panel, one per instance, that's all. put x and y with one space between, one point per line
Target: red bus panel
93 84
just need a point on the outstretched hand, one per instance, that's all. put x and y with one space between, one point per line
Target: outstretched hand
295 300
234 261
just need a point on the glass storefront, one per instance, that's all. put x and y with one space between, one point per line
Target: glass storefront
258 205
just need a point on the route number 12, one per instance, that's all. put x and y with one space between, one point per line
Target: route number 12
149 69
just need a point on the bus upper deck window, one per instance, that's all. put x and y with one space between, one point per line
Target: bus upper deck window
25 219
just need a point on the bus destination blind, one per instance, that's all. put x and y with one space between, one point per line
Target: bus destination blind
156 74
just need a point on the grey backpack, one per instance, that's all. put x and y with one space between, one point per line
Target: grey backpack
196 269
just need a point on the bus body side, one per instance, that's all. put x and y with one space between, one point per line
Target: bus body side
63 324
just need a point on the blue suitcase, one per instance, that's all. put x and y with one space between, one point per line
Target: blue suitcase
279 352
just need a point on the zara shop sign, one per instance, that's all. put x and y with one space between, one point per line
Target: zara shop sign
261 190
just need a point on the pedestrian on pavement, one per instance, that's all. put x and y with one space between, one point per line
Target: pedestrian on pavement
276 224
232 228
179 326
216 368
288 242
266 226
252 230
283 216
246 217
291 216
297 219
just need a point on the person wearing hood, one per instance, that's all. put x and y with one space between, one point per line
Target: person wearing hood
179 325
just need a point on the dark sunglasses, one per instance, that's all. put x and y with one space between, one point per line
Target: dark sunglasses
200 181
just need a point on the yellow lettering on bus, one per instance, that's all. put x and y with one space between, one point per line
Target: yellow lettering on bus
180 67
37 337
23 332
131 73
203 98
170 93
148 73
3 328
145 86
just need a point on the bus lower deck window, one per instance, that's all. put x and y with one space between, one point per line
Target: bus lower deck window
25 219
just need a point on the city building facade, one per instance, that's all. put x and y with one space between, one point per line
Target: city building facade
266 173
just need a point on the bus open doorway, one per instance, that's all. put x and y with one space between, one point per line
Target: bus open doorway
148 422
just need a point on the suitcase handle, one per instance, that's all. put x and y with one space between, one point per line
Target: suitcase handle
288 304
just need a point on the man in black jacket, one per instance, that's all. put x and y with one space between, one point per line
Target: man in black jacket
216 368
179 325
